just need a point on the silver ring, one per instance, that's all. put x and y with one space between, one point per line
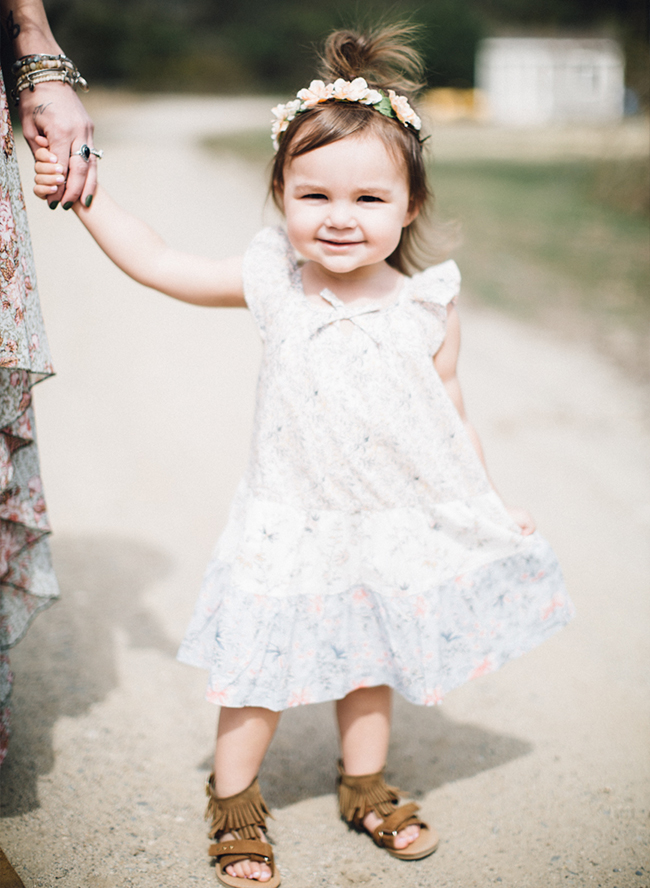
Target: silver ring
85 152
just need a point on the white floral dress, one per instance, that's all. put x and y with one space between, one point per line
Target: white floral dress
27 581
365 545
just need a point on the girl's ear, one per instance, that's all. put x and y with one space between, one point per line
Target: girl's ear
411 215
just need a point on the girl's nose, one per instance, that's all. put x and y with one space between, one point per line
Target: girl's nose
341 215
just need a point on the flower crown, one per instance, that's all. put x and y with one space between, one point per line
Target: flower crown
387 103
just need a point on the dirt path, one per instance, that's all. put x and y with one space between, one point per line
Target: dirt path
536 776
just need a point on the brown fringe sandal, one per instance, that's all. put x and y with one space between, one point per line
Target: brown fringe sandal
360 795
243 815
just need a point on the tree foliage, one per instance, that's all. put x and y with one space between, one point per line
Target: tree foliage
226 46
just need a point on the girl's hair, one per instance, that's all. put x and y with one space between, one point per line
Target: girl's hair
386 60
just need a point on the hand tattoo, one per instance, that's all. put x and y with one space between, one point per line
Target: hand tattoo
39 109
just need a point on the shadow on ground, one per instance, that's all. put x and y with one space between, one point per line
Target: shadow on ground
427 750
66 662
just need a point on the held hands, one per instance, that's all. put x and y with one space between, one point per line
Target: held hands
53 117
523 518
50 174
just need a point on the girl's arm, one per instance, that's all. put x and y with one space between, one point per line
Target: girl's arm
143 254
446 362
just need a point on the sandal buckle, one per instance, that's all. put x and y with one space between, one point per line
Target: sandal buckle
382 833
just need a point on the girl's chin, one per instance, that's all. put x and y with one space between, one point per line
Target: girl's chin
340 264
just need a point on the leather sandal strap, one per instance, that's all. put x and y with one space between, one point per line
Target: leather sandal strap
229 853
384 834
232 859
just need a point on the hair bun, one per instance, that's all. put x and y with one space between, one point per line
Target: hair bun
384 57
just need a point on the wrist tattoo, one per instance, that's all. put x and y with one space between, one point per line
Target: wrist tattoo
10 26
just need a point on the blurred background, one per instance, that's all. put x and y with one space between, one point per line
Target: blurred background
218 46
538 110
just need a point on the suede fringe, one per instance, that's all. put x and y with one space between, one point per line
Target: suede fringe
359 795
243 813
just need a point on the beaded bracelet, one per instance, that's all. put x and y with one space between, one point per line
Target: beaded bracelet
33 69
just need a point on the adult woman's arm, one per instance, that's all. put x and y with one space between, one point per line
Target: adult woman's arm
52 109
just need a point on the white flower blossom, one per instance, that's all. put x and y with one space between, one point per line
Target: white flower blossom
350 91
315 93
284 114
405 114
372 97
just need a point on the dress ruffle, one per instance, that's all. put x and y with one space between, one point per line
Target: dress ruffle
279 652
27 580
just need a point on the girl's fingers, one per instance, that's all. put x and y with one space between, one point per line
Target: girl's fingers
49 173
44 191
49 177
48 169
45 155
56 179
523 519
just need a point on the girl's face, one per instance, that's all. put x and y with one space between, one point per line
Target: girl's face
346 204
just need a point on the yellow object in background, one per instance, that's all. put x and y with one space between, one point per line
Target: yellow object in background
448 105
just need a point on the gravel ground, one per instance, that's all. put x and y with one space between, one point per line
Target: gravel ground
535 777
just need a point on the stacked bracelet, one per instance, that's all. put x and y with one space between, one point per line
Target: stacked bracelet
32 69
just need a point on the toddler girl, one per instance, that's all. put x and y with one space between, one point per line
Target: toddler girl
366 548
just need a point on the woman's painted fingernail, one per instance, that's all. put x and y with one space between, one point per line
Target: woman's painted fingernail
59 179
67 205
89 200
54 204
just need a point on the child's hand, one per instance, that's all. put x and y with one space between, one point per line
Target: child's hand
523 518
49 173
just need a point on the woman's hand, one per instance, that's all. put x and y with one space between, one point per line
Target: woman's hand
53 116
523 518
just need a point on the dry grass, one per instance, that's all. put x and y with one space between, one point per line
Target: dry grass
563 244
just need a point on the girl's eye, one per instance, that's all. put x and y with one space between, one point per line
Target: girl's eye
314 196
370 198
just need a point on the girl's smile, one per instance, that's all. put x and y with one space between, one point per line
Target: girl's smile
345 205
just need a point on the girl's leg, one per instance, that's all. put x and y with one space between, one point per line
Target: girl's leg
364 718
243 736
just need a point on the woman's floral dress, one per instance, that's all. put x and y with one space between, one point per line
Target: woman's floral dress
365 545
27 581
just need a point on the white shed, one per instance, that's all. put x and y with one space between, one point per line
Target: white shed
536 80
